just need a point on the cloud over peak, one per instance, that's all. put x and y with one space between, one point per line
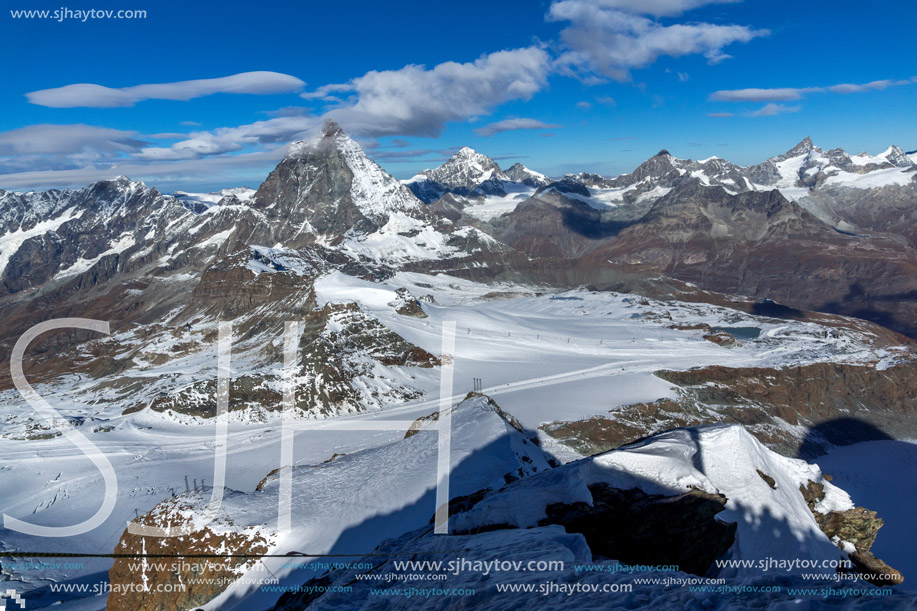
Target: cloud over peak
416 101
269 133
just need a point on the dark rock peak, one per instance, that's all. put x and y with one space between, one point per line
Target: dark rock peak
692 194
663 153
329 138
120 182
331 129
567 184
803 148
694 188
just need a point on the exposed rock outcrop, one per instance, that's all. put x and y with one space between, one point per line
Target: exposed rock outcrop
830 399
182 580
857 527
407 305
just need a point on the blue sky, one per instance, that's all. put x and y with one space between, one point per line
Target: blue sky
563 85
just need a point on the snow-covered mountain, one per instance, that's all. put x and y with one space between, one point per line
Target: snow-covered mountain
330 180
464 172
804 172
673 501
829 184
808 166
596 310
473 186
473 179
522 175
390 486
328 190
325 191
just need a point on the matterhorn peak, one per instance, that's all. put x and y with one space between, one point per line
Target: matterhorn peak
331 129
329 171
329 136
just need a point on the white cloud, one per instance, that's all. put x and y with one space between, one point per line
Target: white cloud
512 125
98 96
784 94
772 109
659 8
276 132
51 139
609 37
324 92
416 101
43 147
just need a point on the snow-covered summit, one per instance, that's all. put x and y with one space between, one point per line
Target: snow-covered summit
521 174
467 169
896 156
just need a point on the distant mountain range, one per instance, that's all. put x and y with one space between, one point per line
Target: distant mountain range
817 229
814 229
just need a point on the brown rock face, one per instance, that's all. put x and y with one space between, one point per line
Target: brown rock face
631 422
840 404
761 245
180 580
229 290
338 343
831 397
722 338
858 526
